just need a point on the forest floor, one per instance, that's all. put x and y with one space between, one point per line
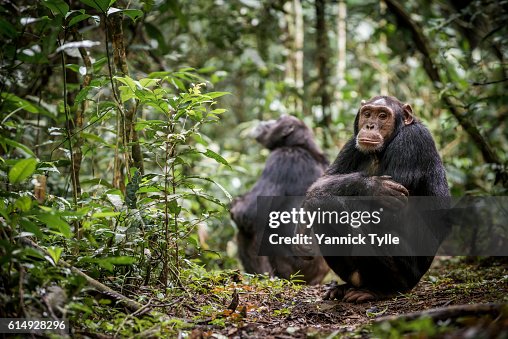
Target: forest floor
469 294
268 311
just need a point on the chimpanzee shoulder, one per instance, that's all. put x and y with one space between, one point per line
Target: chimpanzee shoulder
413 161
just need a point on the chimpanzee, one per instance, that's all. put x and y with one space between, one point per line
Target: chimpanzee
295 162
392 155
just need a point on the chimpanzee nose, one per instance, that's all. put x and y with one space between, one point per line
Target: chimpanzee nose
369 125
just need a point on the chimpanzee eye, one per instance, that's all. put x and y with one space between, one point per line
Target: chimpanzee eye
366 114
382 116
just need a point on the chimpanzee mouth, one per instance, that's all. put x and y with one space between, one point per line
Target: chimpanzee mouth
370 142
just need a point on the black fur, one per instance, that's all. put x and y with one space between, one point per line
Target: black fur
293 165
411 159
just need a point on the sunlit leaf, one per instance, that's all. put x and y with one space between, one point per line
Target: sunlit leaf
55 253
214 95
54 222
22 170
23 203
105 214
217 157
218 111
148 82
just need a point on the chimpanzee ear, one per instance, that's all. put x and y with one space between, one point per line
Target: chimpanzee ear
363 102
408 114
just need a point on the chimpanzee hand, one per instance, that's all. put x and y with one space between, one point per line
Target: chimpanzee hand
395 194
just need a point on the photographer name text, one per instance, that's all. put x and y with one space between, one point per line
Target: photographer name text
322 239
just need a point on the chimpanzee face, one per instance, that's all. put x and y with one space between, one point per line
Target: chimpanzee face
377 121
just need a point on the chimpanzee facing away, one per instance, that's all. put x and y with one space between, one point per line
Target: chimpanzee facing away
295 162
393 155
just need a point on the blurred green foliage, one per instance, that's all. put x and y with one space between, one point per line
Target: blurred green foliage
182 57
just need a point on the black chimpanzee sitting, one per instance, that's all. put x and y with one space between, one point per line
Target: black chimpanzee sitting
295 162
392 155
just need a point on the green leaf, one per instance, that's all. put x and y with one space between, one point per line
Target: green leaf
131 83
214 182
101 5
217 157
82 94
56 223
218 111
105 214
134 14
23 203
199 139
208 69
57 7
20 103
47 166
22 170
149 189
55 253
154 33
7 29
17 145
74 11
126 93
97 66
97 181
121 260
78 18
148 82
173 207
108 263
29 226
178 84
73 67
214 95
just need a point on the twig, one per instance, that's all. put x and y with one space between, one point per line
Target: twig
129 303
145 307
21 289
454 311
489 82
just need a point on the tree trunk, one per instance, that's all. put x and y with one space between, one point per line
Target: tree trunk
294 45
322 55
383 76
341 54
126 129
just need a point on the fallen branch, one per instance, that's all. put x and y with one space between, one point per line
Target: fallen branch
132 305
454 311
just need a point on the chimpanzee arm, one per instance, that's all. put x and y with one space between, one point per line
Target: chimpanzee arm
413 161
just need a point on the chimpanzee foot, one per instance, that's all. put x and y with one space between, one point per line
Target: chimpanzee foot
358 296
335 291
